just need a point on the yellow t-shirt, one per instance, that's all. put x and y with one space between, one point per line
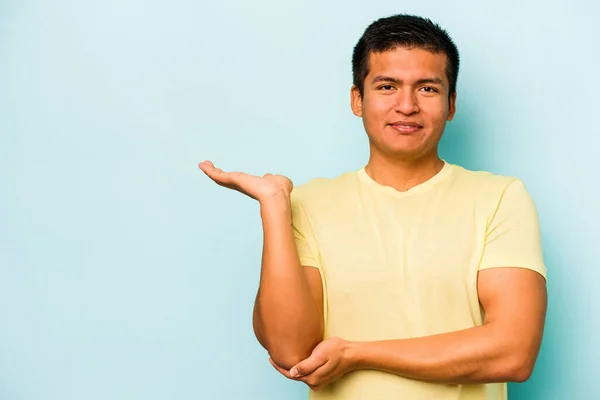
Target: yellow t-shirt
404 264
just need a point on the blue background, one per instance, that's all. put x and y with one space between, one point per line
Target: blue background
126 274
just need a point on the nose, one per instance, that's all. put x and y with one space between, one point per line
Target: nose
406 102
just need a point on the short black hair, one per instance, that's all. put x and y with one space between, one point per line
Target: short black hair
403 30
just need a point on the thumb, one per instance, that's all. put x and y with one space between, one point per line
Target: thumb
307 367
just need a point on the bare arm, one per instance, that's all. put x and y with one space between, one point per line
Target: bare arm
503 349
288 312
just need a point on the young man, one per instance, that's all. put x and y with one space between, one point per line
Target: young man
410 278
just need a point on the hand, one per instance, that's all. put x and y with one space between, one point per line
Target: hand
259 188
328 362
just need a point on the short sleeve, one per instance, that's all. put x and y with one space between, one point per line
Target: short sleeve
513 236
303 234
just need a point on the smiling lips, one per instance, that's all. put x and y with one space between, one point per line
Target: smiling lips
405 126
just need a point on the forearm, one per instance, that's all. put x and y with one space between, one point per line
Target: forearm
286 318
482 354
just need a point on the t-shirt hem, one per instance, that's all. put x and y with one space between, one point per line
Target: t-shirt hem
540 270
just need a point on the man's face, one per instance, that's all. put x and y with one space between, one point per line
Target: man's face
406 102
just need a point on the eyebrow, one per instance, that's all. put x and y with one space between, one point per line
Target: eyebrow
382 78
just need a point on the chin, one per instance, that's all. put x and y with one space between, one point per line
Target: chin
405 154
408 153
401 147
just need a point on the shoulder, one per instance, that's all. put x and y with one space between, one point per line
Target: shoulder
492 197
484 183
490 193
319 190
322 198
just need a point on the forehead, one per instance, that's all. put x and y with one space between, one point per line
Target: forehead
407 64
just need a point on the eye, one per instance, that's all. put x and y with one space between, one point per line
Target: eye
386 88
429 89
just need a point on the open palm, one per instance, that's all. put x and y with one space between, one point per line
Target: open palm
260 188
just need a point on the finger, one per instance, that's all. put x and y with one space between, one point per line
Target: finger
308 366
218 175
208 168
206 165
282 371
321 376
239 181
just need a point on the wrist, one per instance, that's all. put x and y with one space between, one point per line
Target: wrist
353 355
276 205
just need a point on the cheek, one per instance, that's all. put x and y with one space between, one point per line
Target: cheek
436 113
442 118
377 107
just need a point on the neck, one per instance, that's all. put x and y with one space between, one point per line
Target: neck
403 175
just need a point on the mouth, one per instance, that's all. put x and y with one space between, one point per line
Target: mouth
406 126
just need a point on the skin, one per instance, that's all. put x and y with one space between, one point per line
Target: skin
503 349
288 310
410 86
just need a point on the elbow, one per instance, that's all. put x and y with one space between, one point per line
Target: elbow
521 373
519 369
286 351
286 355
287 359
517 361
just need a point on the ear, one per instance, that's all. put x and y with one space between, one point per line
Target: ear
356 101
452 107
